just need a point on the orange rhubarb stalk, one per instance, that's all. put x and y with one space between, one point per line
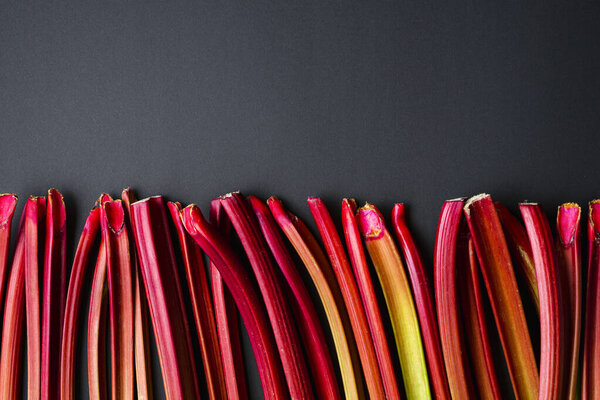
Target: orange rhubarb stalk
569 272
496 266
424 303
8 203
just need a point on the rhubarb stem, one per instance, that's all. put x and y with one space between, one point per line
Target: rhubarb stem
8 203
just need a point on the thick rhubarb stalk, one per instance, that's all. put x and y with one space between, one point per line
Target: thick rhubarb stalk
226 316
569 272
424 302
35 210
97 319
520 249
590 385
141 341
399 300
270 285
449 257
72 307
12 324
369 299
8 203
120 298
54 294
324 281
356 312
498 274
476 330
246 298
163 290
201 306
309 325
551 321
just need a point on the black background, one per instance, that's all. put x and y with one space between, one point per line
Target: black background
384 101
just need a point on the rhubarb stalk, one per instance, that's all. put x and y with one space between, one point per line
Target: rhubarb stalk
8 203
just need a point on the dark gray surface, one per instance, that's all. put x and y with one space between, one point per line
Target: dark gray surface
394 101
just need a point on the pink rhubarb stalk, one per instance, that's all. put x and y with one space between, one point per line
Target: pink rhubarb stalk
8 203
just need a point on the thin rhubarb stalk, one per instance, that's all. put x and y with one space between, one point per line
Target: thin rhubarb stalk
356 312
369 298
590 385
399 300
201 306
97 319
501 284
72 308
312 333
449 256
270 285
476 331
120 298
54 294
316 265
12 325
226 316
520 249
141 341
569 257
424 302
246 298
8 203
163 290
34 217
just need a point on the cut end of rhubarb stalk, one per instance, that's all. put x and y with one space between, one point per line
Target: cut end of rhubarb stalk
115 215
370 221
595 218
104 197
193 213
58 213
399 212
567 220
8 202
471 200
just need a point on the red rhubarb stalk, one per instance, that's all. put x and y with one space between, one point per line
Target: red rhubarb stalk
312 333
369 299
8 203
201 306
569 258
424 302
246 298
163 290
72 308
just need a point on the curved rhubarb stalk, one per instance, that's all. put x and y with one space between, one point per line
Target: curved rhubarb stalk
278 310
499 277
399 300
246 298
163 289
12 324
590 386
476 331
369 299
72 308
424 303
310 328
201 306
324 281
569 257
8 203
120 298
226 316
141 341
97 315
34 216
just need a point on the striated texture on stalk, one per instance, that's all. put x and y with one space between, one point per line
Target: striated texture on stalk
246 298
399 300
501 284
120 296
569 272
424 302
269 283
8 203
356 312
226 316
324 281
73 306
167 311
201 306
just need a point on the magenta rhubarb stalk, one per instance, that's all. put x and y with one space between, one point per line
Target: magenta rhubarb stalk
8 203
